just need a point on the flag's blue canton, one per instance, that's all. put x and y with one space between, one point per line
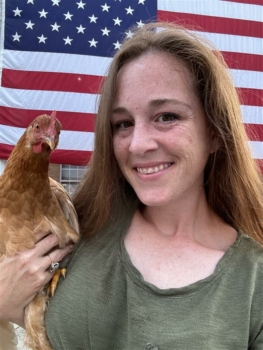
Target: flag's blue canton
91 27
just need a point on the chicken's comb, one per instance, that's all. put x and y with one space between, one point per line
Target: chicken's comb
53 115
53 119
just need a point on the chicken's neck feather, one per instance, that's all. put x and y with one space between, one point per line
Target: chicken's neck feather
25 165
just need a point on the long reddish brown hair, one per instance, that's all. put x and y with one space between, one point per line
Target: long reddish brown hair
232 181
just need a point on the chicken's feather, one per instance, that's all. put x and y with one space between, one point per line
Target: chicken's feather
31 202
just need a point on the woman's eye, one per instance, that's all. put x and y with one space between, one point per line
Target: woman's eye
124 124
167 117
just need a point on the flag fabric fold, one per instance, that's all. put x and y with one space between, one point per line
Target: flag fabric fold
54 54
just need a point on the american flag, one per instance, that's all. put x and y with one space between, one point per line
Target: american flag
54 53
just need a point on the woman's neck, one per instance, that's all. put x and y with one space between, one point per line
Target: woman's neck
192 221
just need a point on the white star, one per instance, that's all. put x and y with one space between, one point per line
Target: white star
129 10
81 4
42 39
43 13
140 24
16 37
93 19
67 40
30 2
29 25
141 2
55 26
55 2
117 21
17 12
68 16
80 29
129 34
117 45
93 43
105 7
105 31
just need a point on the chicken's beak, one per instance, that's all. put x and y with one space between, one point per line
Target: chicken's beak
50 141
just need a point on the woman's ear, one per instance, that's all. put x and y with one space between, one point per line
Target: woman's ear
215 143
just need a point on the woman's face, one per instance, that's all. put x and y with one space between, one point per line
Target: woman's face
160 136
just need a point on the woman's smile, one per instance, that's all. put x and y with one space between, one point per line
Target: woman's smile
153 169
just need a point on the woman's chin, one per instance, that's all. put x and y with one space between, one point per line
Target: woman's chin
154 200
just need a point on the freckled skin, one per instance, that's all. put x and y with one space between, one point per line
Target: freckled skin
152 87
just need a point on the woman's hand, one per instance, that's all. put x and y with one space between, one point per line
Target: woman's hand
25 274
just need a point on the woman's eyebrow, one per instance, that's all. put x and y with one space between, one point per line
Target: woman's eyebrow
155 103
163 101
119 110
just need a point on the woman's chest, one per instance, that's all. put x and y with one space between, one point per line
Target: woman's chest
171 263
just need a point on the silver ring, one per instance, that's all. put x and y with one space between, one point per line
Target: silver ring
53 266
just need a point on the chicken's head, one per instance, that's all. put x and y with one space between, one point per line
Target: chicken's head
43 133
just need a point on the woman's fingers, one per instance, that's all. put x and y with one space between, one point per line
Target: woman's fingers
26 273
46 244
58 254
40 235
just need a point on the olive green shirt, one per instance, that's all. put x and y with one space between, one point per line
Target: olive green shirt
105 304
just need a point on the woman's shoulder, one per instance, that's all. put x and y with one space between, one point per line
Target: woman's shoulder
92 250
250 252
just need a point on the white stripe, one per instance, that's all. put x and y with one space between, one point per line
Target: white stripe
83 64
234 43
252 114
247 79
213 8
48 100
69 140
256 148
55 62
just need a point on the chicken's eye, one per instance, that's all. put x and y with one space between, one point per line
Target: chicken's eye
37 127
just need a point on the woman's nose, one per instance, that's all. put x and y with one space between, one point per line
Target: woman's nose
143 139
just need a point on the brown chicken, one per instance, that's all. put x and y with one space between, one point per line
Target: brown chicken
31 202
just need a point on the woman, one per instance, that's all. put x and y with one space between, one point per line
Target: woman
163 262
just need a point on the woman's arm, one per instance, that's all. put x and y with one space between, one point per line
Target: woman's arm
25 274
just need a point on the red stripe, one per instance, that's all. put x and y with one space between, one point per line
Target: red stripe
245 61
260 164
81 121
254 132
58 156
251 97
71 157
214 24
67 82
70 120
90 84
250 2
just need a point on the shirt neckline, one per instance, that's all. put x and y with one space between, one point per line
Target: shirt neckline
138 279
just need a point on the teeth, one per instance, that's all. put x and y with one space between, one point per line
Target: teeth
153 170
